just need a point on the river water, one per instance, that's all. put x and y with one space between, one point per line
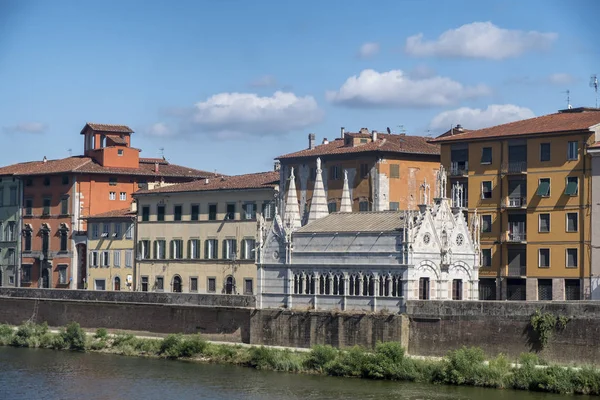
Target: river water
62 375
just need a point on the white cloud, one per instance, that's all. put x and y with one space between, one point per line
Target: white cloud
421 71
480 40
561 79
476 118
397 89
368 50
26 127
264 81
160 129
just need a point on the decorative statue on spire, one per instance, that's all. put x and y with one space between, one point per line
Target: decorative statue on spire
442 180
457 195
318 164
425 192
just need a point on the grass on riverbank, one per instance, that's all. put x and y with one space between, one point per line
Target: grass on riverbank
466 366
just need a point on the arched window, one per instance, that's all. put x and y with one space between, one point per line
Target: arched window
229 285
338 284
177 284
354 285
117 283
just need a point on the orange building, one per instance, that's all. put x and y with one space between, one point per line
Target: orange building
385 171
59 194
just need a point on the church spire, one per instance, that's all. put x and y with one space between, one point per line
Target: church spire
318 204
291 216
346 205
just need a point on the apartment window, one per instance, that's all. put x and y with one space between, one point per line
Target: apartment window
159 249
486 155
65 179
194 249
423 288
363 206
117 283
571 258
45 241
249 210
27 240
211 285
544 151
457 286
268 210
248 286
544 258
229 249
394 171
544 289
145 213
572 289
572 186
112 195
117 232
25 273
117 258
176 249
573 150
12 200
193 284
211 247
364 140
46 181
128 258
129 231
11 254
160 212
10 232
544 223
144 283
93 258
46 209
64 206
486 189
177 211
248 246
543 189
332 207
28 206
486 257
95 230
212 212
195 215
394 206
230 213
144 249
64 236
120 152
334 172
364 170
572 221
105 229
62 274
122 196
28 182
105 259
112 181
160 283
486 223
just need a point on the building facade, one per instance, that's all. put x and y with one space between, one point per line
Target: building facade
200 237
384 170
10 225
58 194
111 250
531 182
368 261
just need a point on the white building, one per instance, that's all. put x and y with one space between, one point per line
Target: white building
368 261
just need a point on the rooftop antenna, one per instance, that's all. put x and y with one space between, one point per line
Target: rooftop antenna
162 152
389 131
568 92
70 151
402 130
594 85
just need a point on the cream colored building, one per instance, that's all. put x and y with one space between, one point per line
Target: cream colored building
200 237
111 251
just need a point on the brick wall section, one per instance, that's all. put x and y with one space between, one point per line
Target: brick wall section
437 327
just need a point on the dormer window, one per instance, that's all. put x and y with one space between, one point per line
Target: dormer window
120 152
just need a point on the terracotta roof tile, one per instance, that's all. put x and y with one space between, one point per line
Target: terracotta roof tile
371 221
259 180
385 143
107 128
122 213
116 140
579 119
160 161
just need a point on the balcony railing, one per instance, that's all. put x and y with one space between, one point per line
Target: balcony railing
516 270
514 202
514 167
516 237
459 168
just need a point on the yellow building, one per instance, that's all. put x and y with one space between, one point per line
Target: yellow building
110 245
530 182
200 237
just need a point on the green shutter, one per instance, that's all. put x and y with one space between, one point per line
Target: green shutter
571 189
543 189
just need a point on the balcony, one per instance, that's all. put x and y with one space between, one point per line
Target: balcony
516 270
514 167
459 168
514 202
516 237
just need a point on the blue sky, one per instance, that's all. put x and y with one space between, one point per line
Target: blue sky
230 84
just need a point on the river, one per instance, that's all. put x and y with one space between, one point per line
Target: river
61 375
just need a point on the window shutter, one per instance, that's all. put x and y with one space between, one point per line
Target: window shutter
206 249
225 249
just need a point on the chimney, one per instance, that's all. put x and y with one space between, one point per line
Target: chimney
364 130
325 141
342 131
45 159
459 128
156 168
134 206
276 165
374 135
206 181
311 141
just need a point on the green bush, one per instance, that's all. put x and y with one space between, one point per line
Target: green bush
101 333
28 335
192 346
261 358
587 381
74 337
354 362
464 367
319 357
171 346
148 346
389 362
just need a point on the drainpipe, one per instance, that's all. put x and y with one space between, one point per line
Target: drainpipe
18 255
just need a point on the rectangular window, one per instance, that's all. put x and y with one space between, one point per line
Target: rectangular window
544 151
248 286
486 155
160 283
46 209
28 206
457 286
194 249
64 206
332 207
211 249
394 171
95 230
313 174
544 258
394 206
27 239
211 285
573 150
129 231
572 289
46 181
486 189
193 284
64 238
544 223
486 257
128 258
229 249
363 206
195 215
122 196
117 232
144 249
105 258
62 274
268 210
249 210
120 152
248 246
212 212
117 258
145 213
112 195
93 258
99 284
572 186
543 189
230 213
159 249
26 273
486 223
10 232
572 258
364 170
112 181
12 200
65 179
11 255
160 212
105 229
424 289
572 222
544 289
334 172
176 249
144 283
177 211
45 241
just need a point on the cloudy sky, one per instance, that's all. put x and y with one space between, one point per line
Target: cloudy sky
231 84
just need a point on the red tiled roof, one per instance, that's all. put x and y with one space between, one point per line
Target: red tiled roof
161 161
107 128
116 140
385 143
122 213
259 180
579 119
